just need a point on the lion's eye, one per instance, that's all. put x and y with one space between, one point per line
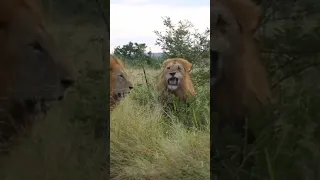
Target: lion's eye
221 22
36 46
168 67
121 76
179 68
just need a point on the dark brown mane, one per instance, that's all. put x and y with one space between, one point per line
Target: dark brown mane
243 84
8 8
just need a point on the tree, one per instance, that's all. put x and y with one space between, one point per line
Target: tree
134 52
182 40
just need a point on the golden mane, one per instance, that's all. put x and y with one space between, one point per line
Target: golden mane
186 88
115 64
119 86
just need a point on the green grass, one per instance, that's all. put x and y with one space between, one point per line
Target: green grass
146 144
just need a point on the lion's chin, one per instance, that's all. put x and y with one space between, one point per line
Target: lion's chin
172 87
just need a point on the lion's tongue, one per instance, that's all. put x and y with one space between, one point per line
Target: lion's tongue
173 81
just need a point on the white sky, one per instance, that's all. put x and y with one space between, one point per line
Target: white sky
135 20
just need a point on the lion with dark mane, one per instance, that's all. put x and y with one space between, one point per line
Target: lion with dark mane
175 79
239 80
120 85
32 74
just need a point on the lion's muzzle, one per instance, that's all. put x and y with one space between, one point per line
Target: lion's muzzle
123 93
173 82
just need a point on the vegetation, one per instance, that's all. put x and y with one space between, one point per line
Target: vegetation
288 135
146 144
135 54
149 142
72 141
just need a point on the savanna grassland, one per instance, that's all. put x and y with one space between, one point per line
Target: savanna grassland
147 144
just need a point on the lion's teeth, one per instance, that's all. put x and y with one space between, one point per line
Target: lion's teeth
121 95
173 81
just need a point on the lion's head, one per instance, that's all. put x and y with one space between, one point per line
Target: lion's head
31 71
239 80
175 78
120 85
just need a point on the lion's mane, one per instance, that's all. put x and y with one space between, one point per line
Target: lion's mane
119 86
241 83
185 89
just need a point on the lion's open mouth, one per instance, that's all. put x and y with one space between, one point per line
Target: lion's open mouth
39 106
21 113
173 83
121 95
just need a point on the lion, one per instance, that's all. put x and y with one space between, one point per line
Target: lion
32 72
175 79
239 79
120 85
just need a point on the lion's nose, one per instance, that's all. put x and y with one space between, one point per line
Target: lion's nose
130 87
172 74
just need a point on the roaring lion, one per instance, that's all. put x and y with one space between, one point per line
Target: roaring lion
175 78
120 85
32 74
239 79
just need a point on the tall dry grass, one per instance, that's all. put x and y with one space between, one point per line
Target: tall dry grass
145 144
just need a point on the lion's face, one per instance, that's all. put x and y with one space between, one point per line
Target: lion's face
30 65
31 70
120 85
175 79
174 74
233 22
123 85
225 38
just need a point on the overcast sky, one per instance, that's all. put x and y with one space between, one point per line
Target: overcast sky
135 20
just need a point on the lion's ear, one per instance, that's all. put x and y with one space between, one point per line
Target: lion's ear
115 60
188 66
245 11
